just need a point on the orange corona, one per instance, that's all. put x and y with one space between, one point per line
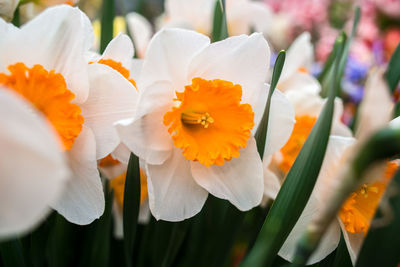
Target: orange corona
48 93
210 124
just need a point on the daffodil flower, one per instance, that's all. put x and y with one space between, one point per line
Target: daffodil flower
296 71
356 214
44 62
198 107
33 170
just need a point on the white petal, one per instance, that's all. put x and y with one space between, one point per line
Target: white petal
141 31
147 136
111 98
7 9
241 59
136 69
111 172
329 241
6 28
83 199
144 212
56 39
33 169
353 242
280 124
120 49
305 102
299 54
118 221
173 193
376 106
335 156
121 153
338 127
272 184
300 81
168 56
239 180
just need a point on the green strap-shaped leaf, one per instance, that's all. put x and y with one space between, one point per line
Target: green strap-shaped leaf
261 133
381 246
107 23
298 184
11 254
101 238
220 28
342 257
326 77
178 234
393 71
131 206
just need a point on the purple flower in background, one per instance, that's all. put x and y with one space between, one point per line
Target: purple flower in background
355 70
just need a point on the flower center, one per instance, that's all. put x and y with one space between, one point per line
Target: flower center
118 185
48 92
118 67
301 130
359 209
210 124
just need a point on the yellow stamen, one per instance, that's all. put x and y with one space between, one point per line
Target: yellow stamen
191 117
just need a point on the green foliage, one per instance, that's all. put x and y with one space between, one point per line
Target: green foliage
261 133
131 206
220 27
107 23
393 71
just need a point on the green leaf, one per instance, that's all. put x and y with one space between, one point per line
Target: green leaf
298 185
220 28
107 23
131 206
381 246
342 257
327 75
100 245
261 133
393 71
11 254
175 242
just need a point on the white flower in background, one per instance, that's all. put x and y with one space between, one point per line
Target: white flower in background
141 31
31 9
243 16
296 71
199 104
33 169
307 107
7 9
44 62
356 213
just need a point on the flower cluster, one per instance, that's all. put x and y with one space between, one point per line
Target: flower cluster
190 108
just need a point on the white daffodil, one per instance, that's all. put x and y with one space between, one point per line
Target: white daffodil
7 9
357 212
198 107
307 107
243 16
33 170
44 62
31 9
296 71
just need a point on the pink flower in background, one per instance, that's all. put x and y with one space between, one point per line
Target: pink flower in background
306 13
324 45
389 7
